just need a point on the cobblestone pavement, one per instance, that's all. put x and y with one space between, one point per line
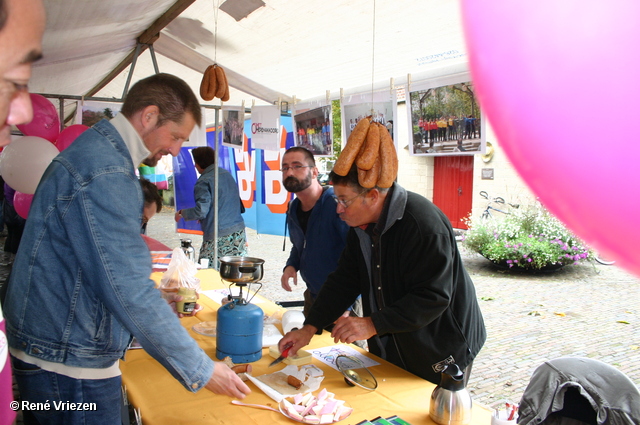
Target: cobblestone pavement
585 310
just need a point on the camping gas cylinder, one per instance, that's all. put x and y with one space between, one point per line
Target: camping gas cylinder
239 332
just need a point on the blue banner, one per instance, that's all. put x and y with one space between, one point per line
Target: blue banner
257 173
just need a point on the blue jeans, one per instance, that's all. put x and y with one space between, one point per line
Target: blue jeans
51 397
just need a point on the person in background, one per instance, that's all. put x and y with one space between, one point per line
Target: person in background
22 24
232 239
86 268
420 306
152 202
317 234
13 221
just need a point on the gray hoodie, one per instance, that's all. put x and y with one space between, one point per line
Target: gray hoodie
612 395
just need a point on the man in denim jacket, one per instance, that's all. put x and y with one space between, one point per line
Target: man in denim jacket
80 284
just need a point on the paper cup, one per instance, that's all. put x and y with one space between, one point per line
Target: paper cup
204 263
500 417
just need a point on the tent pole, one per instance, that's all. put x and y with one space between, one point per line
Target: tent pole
153 59
215 192
61 113
133 67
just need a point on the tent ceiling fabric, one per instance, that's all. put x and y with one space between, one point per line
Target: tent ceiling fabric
280 50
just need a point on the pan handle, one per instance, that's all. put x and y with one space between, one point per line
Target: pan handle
246 269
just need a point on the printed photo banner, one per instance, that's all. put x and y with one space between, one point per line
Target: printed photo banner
380 105
233 126
444 118
313 127
265 127
89 112
257 173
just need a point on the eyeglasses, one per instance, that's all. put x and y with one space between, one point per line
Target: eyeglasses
346 203
294 168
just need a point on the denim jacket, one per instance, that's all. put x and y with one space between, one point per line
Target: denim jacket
80 282
229 217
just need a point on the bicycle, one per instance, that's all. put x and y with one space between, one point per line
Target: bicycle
498 200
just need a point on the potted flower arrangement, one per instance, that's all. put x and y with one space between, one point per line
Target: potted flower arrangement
529 238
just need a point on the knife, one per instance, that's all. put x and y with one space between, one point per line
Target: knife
283 355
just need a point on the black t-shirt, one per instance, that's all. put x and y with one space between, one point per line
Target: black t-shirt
303 217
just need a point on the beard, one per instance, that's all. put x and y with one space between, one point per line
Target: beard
295 185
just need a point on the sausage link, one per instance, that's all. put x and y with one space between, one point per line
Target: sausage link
389 158
350 151
367 156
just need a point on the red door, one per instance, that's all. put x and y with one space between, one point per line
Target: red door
452 187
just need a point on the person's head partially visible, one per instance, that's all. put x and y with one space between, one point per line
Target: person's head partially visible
203 156
164 110
298 169
22 25
152 200
356 205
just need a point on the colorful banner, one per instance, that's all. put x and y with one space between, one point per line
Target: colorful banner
257 173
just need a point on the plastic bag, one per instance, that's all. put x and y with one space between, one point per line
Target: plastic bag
181 273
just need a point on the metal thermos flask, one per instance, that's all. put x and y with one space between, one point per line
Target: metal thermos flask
188 250
450 400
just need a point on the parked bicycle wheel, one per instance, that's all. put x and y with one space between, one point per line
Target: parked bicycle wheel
604 261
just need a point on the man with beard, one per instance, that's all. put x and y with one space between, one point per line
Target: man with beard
317 233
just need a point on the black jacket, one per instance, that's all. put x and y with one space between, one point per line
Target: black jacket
429 314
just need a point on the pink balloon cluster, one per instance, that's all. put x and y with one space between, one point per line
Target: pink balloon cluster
45 122
561 98
25 160
22 203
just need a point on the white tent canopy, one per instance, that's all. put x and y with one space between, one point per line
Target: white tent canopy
282 49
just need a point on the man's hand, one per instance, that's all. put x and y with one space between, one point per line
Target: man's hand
225 381
350 329
299 338
172 298
178 216
289 273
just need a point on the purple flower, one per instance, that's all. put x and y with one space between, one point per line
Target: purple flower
529 260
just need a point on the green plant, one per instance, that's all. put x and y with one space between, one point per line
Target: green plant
529 238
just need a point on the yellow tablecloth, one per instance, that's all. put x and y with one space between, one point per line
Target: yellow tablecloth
162 400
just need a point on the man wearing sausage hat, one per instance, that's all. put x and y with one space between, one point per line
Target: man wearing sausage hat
420 307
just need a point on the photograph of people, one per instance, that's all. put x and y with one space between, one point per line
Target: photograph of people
446 120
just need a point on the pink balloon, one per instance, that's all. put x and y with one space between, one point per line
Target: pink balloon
22 203
555 79
45 122
68 135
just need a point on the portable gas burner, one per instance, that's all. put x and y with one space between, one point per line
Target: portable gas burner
239 328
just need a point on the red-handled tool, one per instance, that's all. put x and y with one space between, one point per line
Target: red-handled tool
283 355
